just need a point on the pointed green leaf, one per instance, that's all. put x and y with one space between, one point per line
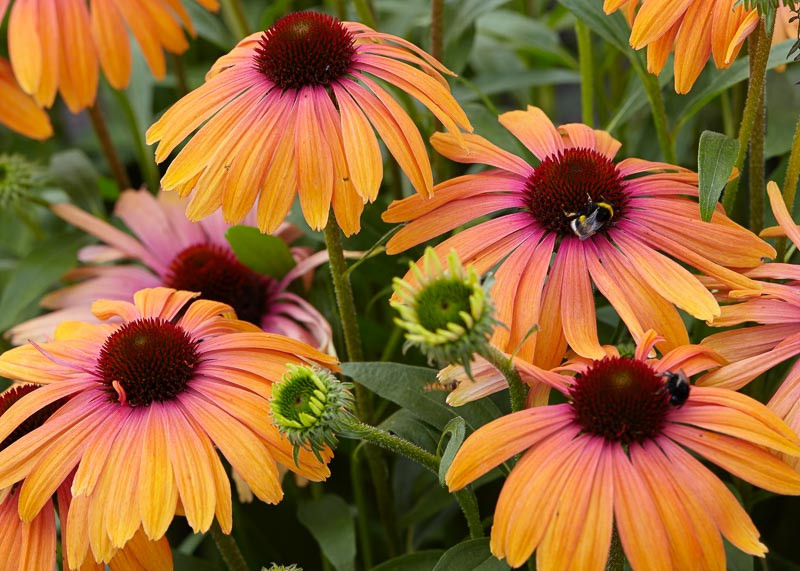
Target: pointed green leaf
330 522
472 554
455 429
716 156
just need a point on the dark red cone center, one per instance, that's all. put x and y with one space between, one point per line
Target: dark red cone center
31 423
147 360
216 273
305 48
621 399
563 186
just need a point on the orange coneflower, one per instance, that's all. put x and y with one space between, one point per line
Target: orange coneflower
18 111
693 29
620 453
291 111
607 223
168 250
775 308
31 546
149 400
56 45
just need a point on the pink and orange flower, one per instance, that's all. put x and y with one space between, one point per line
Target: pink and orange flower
693 29
59 46
31 546
600 222
150 400
291 111
168 250
620 453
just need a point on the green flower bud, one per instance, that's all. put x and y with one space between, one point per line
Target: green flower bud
448 314
19 179
310 406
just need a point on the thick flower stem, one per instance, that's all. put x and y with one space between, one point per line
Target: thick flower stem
466 498
144 156
233 13
759 44
653 90
110 152
790 184
516 388
756 170
584 37
227 547
437 51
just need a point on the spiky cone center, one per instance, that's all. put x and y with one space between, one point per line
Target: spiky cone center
562 187
305 49
310 406
448 315
31 423
215 272
621 399
147 360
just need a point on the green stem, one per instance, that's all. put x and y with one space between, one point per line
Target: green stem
584 37
653 90
616 554
728 122
365 14
227 547
182 86
234 16
437 51
759 45
516 388
756 170
357 480
144 156
465 497
341 9
344 292
107 145
790 184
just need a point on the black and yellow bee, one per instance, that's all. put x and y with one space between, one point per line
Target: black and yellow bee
598 216
677 385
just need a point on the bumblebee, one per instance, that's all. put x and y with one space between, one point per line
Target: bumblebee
598 216
677 385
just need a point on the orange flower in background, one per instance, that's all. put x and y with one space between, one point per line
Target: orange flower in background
31 546
620 453
18 111
58 45
609 225
150 400
291 111
692 29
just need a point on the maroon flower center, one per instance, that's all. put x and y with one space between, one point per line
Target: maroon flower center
215 272
306 48
31 423
621 399
566 185
147 360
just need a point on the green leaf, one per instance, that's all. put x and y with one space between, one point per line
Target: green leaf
209 26
455 428
403 423
473 554
183 562
73 172
611 27
716 156
405 385
736 560
35 273
419 561
330 522
263 253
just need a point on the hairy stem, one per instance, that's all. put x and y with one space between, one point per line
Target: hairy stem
227 547
584 37
790 184
144 156
110 152
759 45
516 388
